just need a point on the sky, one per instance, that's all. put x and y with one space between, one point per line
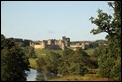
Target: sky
42 20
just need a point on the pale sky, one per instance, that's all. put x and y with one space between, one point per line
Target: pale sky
41 20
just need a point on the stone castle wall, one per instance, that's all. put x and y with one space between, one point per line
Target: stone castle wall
52 44
59 44
83 45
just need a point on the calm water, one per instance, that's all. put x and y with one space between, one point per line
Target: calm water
32 75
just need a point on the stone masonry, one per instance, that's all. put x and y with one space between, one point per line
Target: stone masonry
52 44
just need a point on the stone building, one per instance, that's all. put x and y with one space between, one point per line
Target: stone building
59 44
83 45
52 44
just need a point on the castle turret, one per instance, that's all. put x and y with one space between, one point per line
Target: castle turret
52 44
49 42
66 41
43 44
31 44
63 46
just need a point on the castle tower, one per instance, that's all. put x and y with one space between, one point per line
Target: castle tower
63 38
60 42
83 45
66 41
53 41
43 44
31 44
63 46
49 42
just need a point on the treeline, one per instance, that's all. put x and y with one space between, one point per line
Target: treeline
92 44
14 62
69 63
25 45
97 41
109 56
21 42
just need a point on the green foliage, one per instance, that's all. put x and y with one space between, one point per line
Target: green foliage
33 63
86 77
101 49
26 43
39 52
108 62
90 51
94 44
21 42
69 63
13 61
30 52
110 55
116 70
49 62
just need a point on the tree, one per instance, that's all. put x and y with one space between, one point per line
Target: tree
30 53
49 62
13 62
65 61
99 50
78 63
109 62
75 62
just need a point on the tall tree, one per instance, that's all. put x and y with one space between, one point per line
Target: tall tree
13 61
110 60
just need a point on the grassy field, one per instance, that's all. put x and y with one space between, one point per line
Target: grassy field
33 63
89 51
40 52
87 77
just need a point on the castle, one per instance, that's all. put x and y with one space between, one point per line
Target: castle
83 45
52 44
59 44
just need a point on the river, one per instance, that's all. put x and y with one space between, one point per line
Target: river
43 76
32 75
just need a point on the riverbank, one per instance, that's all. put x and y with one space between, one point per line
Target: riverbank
86 77
34 75
49 77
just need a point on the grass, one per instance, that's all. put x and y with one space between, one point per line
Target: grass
33 63
40 52
87 77
89 51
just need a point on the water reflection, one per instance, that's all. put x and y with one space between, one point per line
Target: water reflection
32 75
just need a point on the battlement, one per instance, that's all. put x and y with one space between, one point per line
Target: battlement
52 44
59 44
